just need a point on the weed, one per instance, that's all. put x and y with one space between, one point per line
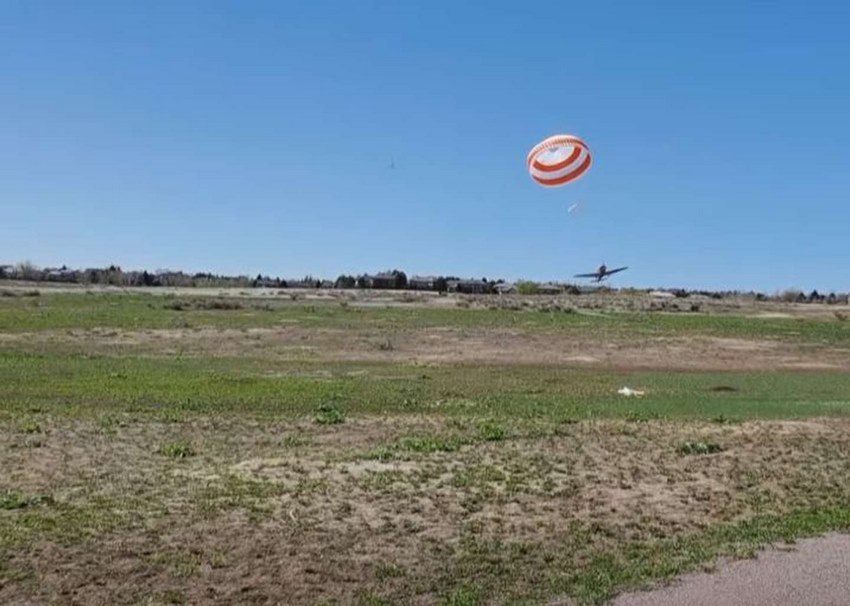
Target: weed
329 413
29 426
491 432
108 422
699 448
465 595
172 596
722 419
383 453
428 444
202 304
13 500
294 441
423 444
388 570
641 416
723 388
177 450
369 598
179 563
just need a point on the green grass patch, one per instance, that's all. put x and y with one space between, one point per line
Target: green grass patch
590 573
147 311
421 444
635 566
13 500
176 388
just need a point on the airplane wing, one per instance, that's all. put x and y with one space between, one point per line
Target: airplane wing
586 276
613 271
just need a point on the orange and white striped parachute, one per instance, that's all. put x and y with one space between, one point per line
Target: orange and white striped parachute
558 159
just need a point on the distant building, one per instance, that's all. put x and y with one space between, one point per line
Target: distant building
382 280
303 283
422 283
549 289
266 282
469 287
61 275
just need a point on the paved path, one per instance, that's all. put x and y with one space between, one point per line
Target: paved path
815 573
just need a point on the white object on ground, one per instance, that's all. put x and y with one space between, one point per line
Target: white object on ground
628 391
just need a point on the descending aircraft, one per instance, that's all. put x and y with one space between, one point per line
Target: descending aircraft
601 273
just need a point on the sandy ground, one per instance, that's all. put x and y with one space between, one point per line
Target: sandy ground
816 573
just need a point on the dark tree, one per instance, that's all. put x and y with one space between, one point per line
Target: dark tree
345 281
400 279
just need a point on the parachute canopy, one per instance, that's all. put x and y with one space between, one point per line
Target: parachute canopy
558 159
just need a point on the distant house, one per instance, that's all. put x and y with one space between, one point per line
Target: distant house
504 288
385 279
549 289
469 287
265 282
662 294
585 289
61 275
304 283
422 283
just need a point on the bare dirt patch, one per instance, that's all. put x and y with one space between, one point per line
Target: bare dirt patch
449 345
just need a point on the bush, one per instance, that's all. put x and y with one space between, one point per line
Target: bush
329 414
792 295
527 287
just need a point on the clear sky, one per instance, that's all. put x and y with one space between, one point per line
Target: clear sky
247 136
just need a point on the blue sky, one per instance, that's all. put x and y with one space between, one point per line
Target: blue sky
246 137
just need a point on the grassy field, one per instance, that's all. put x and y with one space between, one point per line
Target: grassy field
186 449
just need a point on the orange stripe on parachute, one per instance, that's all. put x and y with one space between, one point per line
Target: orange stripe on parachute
550 168
568 177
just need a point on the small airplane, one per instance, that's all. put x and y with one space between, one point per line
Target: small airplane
601 273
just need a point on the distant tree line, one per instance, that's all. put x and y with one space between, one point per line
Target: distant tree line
113 275
394 279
